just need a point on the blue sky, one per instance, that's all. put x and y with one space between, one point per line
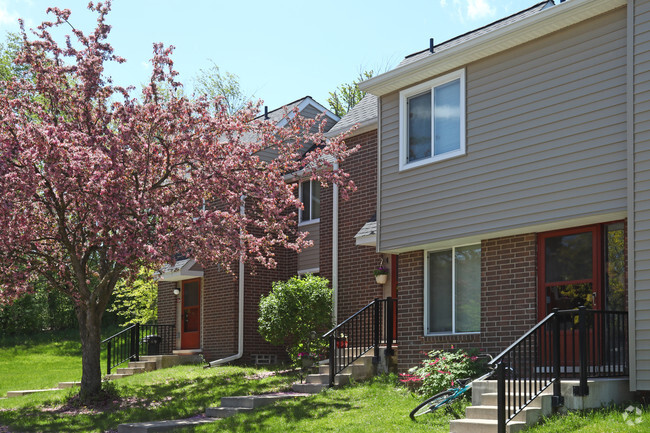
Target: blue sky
281 51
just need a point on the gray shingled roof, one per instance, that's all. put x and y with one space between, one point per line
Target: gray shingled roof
365 111
278 114
477 33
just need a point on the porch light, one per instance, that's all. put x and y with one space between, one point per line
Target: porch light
177 292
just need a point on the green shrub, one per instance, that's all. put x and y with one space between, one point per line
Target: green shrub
136 301
440 369
295 313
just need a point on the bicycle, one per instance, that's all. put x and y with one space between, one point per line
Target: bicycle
445 398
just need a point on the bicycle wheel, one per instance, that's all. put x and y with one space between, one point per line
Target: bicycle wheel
433 403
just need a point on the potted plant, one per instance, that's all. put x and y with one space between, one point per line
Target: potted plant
381 274
341 341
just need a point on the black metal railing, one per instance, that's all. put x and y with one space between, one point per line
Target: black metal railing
136 340
369 328
568 344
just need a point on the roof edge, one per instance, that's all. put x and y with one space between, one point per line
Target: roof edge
546 22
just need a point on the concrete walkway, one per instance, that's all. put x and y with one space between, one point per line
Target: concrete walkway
62 385
229 407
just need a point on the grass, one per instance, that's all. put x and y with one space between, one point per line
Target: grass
41 361
171 393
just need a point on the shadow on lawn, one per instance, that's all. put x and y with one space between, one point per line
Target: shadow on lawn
173 399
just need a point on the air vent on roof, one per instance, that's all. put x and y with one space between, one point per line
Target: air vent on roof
266 112
431 45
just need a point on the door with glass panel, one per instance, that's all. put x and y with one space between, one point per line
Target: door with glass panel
191 314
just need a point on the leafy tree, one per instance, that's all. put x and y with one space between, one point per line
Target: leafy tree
348 95
293 310
216 84
137 301
95 184
8 52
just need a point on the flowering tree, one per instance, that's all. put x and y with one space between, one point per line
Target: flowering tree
95 183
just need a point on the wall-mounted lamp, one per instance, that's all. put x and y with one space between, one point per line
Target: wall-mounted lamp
177 292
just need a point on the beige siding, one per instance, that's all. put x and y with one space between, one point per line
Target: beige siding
641 190
309 258
546 142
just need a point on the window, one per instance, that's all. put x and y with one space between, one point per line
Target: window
310 198
432 123
453 290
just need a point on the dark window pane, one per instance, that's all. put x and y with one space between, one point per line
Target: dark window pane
440 291
191 294
306 203
468 288
446 117
615 267
315 199
419 127
569 257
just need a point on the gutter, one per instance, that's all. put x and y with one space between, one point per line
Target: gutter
240 319
335 248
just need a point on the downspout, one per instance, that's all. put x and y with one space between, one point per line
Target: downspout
240 320
335 248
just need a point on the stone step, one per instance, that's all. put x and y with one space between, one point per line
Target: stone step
114 376
483 426
162 426
490 399
129 370
147 365
340 379
529 415
308 388
11 394
64 385
225 412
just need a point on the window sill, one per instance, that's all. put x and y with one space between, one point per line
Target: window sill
309 222
452 334
433 159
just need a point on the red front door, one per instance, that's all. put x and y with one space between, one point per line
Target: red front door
191 314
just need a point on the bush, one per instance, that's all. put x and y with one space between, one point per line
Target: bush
439 370
136 301
296 311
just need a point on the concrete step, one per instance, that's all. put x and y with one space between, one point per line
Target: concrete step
340 379
162 426
490 399
308 388
529 415
147 365
255 401
225 412
130 370
64 385
11 394
114 376
483 426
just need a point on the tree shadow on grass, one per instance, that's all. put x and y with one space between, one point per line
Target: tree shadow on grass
174 399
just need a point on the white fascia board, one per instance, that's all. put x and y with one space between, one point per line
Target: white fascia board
308 101
370 241
534 27
181 274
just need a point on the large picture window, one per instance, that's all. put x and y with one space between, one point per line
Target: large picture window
432 122
453 290
310 198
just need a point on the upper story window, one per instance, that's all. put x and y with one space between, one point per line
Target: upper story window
310 198
432 120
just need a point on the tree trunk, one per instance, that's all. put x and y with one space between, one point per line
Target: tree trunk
90 331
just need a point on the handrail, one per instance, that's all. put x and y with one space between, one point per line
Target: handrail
565 344
328 333
366 329
129 343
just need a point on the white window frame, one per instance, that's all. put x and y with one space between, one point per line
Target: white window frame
453 292
404 96
301 220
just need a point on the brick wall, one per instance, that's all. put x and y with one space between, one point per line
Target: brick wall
357 286
167 305
508 292
220 307
508 300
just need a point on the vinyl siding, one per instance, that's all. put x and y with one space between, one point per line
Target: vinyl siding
641 185
546 142
309 258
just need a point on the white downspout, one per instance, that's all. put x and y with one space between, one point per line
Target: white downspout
240 326
335 249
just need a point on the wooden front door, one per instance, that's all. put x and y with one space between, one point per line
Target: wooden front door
191 314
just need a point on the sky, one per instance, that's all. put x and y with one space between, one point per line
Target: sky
281 51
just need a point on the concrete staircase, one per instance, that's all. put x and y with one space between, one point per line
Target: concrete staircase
147 363
361 369
482 414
